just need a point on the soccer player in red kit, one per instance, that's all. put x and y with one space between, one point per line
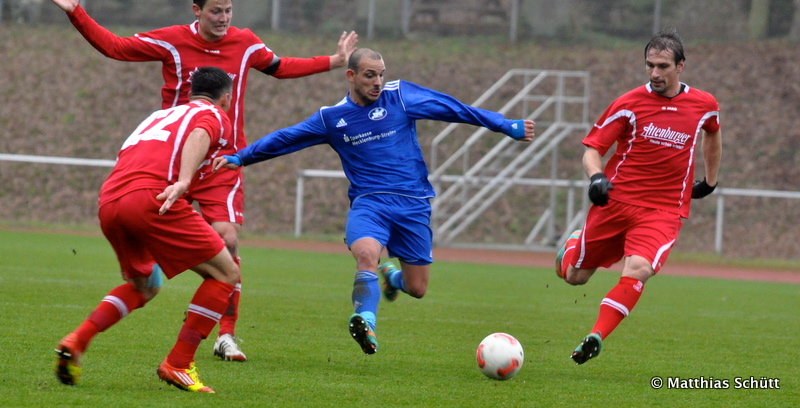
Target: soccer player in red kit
144 218
645 189
209 41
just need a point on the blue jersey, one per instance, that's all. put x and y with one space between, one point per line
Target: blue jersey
377 143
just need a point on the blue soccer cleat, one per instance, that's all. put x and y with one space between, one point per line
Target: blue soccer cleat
389 292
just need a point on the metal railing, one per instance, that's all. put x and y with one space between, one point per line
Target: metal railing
56 160
722 193
470 180
577 203
576 200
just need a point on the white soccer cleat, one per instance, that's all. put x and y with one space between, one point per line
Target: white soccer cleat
227 348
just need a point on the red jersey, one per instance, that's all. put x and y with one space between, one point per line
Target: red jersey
151 156
656 137
181 50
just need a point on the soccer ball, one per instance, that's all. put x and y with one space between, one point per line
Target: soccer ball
500 356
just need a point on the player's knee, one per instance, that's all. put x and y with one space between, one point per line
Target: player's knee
149 293
230 275
639 269
148 286
417 291
577 278
366 260
416 288
231 242
230 235
574 282
641 275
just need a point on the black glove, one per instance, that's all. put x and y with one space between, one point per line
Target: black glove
700 188
598 189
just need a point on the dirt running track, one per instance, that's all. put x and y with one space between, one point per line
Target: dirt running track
516 258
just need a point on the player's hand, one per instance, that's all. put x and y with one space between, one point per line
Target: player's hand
345 47
522 130
171 194
598 189
229 162
700 188
67 5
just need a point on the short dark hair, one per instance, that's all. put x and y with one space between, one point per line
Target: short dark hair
210 82
667 40
357 55
200 3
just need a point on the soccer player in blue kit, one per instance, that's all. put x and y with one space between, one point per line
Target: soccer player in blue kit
373 129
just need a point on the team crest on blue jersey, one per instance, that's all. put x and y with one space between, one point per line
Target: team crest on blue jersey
377 114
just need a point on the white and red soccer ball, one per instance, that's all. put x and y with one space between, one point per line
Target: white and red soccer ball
500 356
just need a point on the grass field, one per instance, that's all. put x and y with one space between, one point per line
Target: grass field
294 314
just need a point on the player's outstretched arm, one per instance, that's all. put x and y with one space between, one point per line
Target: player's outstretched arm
106 42
345 47
67 5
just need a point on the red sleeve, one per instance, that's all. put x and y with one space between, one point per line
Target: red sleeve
110 45
211 123
614 123
299 67
711 124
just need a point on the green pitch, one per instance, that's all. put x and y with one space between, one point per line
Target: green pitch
294 312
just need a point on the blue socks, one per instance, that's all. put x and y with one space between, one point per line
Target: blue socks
395 278
366 294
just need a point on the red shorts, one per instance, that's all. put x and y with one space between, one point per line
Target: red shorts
178 240
620 230
220 197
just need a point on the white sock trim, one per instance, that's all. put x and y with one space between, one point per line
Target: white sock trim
616 305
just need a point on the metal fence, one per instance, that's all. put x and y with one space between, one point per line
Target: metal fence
576 198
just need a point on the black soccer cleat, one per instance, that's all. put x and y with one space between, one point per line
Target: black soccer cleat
363 334
589 348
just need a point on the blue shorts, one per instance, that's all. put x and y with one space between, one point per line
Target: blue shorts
399 223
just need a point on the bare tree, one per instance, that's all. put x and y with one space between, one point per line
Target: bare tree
794 32
759 19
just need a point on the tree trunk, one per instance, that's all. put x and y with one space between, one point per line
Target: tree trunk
759 17
794 32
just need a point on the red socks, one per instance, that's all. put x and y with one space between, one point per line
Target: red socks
617 304
227 324
566 259
211 300
120 302
207 307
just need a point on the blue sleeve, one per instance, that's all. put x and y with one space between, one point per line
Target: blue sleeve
424 103
309 132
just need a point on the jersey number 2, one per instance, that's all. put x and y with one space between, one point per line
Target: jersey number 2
152 128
